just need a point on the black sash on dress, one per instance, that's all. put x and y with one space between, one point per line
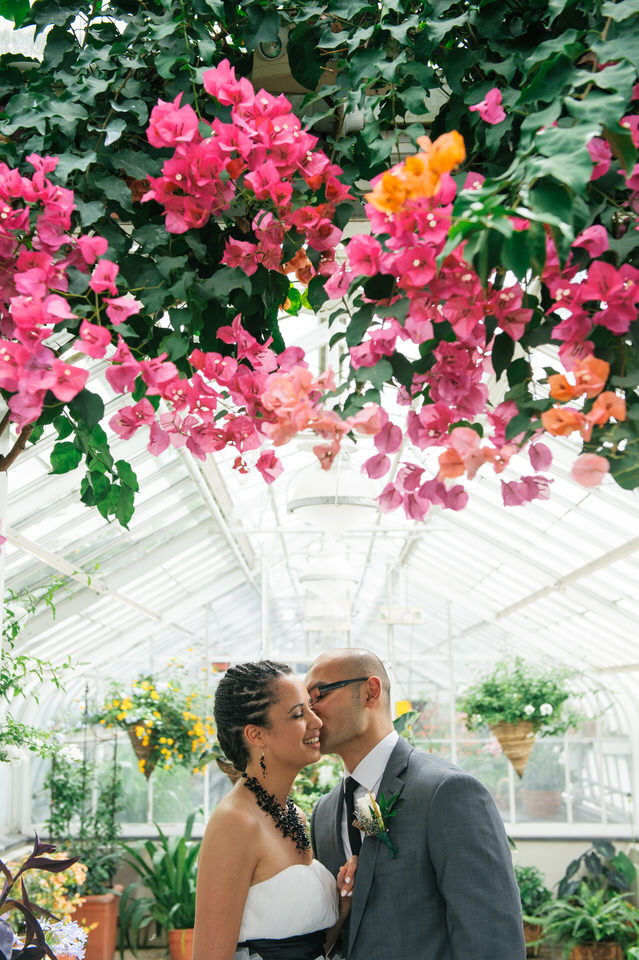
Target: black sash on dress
307 946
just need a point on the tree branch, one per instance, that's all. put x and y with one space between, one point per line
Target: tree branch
17 448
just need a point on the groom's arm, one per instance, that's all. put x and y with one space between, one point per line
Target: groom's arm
470 852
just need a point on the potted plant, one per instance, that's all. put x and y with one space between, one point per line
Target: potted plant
518 700
167 869
91 834
534 894
166 719
14 899
542 782
588 926
600 867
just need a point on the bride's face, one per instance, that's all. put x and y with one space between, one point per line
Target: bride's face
293 734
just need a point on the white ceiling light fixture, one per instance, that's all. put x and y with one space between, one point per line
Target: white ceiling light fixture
333 500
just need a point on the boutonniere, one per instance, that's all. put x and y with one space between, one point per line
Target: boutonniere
372 817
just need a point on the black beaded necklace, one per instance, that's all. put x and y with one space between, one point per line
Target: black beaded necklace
287 821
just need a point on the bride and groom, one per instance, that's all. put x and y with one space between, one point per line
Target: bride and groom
435 883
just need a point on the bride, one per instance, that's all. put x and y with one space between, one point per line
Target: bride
260 894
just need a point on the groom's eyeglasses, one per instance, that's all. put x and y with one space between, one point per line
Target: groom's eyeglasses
319 692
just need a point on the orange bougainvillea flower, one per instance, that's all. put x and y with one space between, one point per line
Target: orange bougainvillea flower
451 464
419 175
607 405
560 388
590 376
561 421
447 151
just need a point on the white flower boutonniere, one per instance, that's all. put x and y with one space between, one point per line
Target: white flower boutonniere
372 817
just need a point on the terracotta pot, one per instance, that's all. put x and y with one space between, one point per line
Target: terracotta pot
532 932
181 944
541 804
99 913
597 951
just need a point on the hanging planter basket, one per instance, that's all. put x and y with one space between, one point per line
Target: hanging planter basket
141 751
516 740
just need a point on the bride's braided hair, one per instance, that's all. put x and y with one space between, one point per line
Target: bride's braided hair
244 695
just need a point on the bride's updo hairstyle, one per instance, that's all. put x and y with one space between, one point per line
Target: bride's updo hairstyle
245 695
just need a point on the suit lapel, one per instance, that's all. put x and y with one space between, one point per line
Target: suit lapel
332 853
391 784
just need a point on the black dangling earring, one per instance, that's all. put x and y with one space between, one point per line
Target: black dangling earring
263 764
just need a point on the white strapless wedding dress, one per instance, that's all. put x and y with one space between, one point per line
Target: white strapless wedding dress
300 899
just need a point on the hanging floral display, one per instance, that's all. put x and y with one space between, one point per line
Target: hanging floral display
167 721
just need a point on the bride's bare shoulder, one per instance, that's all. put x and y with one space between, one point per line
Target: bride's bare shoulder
233 816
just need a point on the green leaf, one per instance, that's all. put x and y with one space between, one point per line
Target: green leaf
378 375
15 10
316 293
126 474
228 279
359 325
64 457
174 345
620 11
502 353
264 26
87 407
63 426
114 130
518 372
625 470
519 424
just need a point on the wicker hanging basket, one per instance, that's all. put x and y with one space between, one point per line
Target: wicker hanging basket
516 740
141 751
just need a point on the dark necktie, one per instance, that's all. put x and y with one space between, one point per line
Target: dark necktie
354 835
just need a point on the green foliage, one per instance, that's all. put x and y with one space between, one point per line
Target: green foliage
532 890
90 834
313 781
566 72
588 917
167 868
18 668
515 691
600 867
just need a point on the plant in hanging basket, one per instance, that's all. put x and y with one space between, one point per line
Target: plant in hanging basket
519 700
166 719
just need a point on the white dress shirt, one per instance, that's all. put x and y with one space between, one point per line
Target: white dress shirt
368 773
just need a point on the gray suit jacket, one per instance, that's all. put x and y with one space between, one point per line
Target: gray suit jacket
450 894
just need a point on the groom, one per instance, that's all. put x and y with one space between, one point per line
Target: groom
450 893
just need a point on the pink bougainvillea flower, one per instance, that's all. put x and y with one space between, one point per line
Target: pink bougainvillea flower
601 155
594 239
540 456
66 380
91 248
129 419
376 466
490 108
159 440
589 469
389 438
269 466
120 308
171 124
390 498
93 339
103 277
364 253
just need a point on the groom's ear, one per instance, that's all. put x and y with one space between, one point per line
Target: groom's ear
373 691
254 735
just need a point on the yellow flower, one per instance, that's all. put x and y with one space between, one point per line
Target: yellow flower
155 695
